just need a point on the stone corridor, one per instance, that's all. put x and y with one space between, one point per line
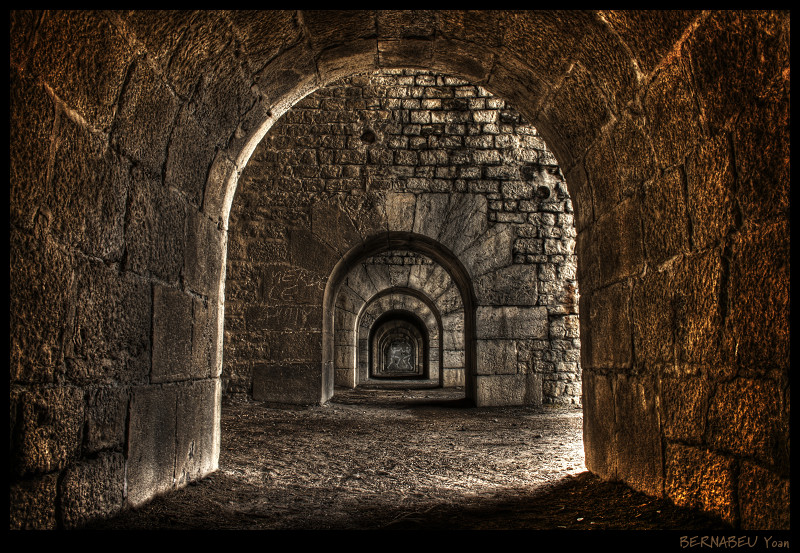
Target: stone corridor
541 209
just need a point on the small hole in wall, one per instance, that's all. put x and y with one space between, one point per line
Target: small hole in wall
368 137
543 192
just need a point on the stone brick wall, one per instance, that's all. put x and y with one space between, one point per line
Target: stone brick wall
421 134
129 130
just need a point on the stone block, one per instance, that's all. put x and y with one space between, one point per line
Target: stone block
619 243
430 214
379 275
578 109
637 448
92 490
106 418
672 113
599 424
332 226
652 307
698 312
759 292
761 143
32 503
190 153
633 155
735 57
453 359
399 275
496 357
450 301
763 499
452 377
359 283
338 61
204 256
400 210
398 53
466 222
48 430
289 384
508 389
89 184
430 279
709 185
207 338
197 430
288 77
700 479
603 186
172 335
145 98
345 357
665 223
31 119
218 105
88 79
367 212
345 378
491 252
293 347
748 418
608 338
110 338
684 403
513 285
40 287
511 322
154 236
151 443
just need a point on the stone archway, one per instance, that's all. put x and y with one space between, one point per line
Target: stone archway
129 131
408 300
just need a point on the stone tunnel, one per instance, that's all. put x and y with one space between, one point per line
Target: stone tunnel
568 207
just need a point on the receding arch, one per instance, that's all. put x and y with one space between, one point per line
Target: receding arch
437 332
397 240
407 328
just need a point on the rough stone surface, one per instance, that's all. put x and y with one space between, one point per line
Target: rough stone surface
92 490
150 454
701 479
131 130
442 158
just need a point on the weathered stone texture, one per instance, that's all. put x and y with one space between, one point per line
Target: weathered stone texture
401 151
32 503
110 336
41 289
759 291
92 490
764 499
745 418
151 453
125 124
91 77
701 479
197 430
49 430
106 418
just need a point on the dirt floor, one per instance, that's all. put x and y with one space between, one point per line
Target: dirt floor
403 458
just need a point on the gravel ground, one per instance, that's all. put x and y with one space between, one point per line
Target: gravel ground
403 458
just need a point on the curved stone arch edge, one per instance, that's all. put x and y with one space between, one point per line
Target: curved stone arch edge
406 291
391 241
